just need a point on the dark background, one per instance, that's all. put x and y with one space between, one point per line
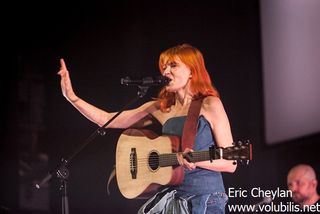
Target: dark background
102 42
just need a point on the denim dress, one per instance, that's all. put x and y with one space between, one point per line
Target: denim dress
202 191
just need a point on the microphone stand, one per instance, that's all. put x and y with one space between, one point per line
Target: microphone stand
62 172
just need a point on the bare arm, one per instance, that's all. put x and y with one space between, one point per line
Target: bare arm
217 117
97 115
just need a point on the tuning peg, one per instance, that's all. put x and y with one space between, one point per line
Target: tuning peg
239 143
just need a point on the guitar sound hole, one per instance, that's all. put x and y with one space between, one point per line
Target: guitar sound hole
153 160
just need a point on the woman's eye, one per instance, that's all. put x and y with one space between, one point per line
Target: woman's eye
170 65
173 65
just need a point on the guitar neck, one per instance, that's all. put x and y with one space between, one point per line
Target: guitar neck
171 159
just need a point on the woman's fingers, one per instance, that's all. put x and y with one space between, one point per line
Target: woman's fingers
180 159
183 162
63 64
63 68
189 165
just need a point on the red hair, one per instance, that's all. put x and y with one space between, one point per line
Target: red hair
200 84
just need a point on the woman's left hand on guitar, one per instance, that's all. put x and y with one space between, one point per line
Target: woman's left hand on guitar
183 162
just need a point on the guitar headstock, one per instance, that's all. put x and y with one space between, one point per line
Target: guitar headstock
240 152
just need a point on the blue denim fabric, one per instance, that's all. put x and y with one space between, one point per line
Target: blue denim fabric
213 203
198 181
202 191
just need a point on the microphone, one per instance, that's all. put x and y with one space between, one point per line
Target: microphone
147 81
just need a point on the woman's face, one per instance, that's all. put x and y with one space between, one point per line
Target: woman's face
179 74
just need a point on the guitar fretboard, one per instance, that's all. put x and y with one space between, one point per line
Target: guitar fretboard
171 159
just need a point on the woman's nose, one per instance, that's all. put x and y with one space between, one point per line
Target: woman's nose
167 71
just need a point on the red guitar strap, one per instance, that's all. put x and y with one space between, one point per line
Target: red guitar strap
190 126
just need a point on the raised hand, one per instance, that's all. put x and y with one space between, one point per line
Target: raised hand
66 86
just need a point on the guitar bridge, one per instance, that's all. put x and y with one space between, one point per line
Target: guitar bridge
133 163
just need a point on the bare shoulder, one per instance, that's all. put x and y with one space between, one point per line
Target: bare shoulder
212 108
211 103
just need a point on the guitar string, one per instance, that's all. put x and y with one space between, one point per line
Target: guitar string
164 160
168 158
154 160
194 154
173 156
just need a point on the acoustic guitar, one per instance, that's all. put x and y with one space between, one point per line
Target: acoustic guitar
146 161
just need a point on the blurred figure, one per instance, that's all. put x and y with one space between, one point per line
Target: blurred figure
302 181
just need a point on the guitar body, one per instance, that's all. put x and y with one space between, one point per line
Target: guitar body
137 177
146 161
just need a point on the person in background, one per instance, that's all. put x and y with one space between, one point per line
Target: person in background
302 181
